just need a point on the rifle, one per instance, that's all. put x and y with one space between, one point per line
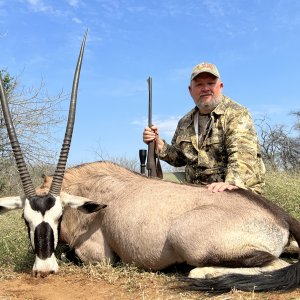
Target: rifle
153 164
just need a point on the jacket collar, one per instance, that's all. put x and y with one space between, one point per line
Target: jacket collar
220 109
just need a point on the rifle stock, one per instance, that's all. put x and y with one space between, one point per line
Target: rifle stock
151 165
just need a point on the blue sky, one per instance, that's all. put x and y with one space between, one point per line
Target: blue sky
255 44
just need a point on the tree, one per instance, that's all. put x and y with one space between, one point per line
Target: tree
280 146
297 125
36 116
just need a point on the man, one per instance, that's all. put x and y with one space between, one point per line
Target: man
216 141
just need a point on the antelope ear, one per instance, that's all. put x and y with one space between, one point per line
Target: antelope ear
10 203
81 203
90 207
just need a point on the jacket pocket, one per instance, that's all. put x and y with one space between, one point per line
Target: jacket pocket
187 147
181 139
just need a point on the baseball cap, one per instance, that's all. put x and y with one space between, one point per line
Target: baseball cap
205 67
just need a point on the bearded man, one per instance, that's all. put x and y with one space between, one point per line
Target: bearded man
216 141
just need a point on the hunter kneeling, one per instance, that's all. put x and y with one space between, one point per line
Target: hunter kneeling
216 141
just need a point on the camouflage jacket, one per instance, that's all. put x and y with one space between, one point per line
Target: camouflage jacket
229 150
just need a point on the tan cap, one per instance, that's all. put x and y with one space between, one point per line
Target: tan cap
205 68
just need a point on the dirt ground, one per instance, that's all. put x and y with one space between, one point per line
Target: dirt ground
78 286
56 287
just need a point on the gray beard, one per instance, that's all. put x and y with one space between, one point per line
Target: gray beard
209 107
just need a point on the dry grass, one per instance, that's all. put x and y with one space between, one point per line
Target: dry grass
284 189
16 255
147 284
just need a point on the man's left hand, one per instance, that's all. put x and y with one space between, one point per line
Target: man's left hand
216 187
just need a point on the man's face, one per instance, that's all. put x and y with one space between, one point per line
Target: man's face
206 90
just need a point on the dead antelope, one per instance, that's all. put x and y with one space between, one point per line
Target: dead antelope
43 214
154 224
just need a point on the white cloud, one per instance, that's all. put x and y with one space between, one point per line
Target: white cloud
34 2
73 3
166 126
38 5
136 9
41 6
76 20
214 7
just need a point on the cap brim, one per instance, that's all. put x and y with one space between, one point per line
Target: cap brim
197 73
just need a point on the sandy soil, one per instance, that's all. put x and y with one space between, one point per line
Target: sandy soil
78 286
57 287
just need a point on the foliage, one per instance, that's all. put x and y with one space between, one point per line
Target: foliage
9 82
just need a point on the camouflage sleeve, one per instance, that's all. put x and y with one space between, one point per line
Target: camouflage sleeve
171 153
242 149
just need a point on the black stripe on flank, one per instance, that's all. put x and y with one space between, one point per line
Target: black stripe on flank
42 203
43 240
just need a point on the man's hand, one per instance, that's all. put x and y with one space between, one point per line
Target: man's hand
216 187
152 133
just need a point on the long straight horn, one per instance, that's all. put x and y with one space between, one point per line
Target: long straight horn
61 165
28 187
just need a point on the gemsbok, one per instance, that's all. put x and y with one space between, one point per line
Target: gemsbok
43 213
233 238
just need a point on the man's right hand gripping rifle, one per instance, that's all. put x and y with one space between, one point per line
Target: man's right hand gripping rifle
155 145
150 134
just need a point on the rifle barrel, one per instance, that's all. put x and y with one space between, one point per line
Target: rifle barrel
151 151
150 101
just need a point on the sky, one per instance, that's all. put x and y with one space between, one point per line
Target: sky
255 45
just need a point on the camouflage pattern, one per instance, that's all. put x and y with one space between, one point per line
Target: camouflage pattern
205 68
228 152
